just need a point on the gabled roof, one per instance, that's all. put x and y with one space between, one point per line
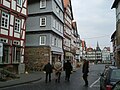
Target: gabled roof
89 49
115 4
107 48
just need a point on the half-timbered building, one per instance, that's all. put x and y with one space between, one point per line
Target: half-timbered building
67 40
13 14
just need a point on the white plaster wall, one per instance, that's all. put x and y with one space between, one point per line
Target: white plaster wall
23 35
13 6
25 4
21 43
11 31
11 20
5 32
17 35
6 3
22 23
24 11
18 9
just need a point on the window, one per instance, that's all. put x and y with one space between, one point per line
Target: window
19 2
43 21
3 40
60 43
5 20
17 25
5 54
54 23
16 54
115 74
42 40
42 3
57 9
55 42
57 25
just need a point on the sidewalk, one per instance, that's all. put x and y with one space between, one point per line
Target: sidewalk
24 78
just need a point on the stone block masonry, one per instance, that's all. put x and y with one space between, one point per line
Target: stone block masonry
36 57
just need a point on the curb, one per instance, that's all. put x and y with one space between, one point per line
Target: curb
21 83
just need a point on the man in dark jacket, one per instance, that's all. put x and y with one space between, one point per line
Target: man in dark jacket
48 70
85 70
67 68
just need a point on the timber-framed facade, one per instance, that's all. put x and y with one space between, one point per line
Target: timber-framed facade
13 15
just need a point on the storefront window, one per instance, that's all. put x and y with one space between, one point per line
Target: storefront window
16 54
5 54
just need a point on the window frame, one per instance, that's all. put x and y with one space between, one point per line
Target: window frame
4 21
42 40
41 4
55 41
42 23
5 58
19 2
18 23
16 57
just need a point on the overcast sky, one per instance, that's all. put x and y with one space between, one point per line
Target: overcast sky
95 21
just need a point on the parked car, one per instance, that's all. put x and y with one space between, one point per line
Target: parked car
109 77
116 86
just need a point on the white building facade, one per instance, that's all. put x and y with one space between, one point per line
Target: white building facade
105 54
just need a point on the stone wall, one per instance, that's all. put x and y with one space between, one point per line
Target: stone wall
36 57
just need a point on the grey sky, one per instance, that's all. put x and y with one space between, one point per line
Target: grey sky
95 21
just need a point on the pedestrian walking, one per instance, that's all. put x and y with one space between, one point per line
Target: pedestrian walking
48 70
85 70
67 68
58 70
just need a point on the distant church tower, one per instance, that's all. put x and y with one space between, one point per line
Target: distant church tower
98 48
98 53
